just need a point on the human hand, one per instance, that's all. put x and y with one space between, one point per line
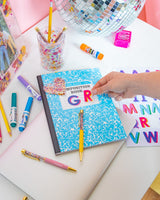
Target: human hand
117 85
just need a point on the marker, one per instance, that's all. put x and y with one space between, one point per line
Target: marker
13 113
89 50
30 88
25 115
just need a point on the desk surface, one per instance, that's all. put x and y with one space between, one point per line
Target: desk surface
134 169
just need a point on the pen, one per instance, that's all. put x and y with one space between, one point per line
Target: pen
5 119
25 115
59 35
46 160
30 88
13 113
81 135
50 21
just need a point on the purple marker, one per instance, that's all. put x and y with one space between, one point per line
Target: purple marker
30 88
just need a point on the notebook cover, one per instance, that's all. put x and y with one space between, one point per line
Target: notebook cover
101 121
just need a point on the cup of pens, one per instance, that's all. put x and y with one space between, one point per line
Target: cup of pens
51 50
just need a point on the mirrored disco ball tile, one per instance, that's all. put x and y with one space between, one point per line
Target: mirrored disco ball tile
102 17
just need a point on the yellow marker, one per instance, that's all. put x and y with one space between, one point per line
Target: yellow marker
50 21
5 119
81 135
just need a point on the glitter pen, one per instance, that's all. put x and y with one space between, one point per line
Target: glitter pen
46 160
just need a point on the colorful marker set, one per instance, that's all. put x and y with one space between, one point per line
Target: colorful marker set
13 110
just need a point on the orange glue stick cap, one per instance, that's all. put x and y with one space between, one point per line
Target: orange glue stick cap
89 50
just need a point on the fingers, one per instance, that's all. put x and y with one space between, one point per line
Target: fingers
101 89
103 80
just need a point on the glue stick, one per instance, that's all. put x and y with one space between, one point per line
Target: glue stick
89 50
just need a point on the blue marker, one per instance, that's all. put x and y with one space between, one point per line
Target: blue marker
25 115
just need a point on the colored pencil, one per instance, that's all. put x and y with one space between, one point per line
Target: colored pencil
41 35
59 35
50 21
0 136
5 118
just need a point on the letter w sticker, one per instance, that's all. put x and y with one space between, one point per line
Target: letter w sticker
151 136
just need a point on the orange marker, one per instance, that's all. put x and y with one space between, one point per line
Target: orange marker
89 50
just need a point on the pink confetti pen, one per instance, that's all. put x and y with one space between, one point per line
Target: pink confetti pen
46 160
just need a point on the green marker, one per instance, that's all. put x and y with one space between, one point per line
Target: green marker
13 114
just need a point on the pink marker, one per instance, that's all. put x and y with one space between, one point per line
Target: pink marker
46 160
123 39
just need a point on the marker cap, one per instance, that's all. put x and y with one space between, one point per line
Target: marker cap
23 81
100 56
14 100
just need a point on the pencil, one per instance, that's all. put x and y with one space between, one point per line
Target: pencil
81 135
42 36
0 136
50 21
5 118
59 35
4 2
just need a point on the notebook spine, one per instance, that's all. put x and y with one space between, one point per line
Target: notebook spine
49 117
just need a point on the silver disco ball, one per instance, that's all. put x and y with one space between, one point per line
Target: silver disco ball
99 16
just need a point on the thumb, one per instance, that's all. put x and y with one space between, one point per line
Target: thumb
102 89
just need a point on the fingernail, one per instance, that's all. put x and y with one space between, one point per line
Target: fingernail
119 98
94 92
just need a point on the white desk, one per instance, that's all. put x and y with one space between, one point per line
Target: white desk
134 169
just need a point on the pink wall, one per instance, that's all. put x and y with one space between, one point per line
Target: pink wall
29 12
151 13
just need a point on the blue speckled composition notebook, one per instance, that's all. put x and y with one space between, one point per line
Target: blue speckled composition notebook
101 122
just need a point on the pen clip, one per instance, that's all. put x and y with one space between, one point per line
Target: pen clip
29 155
